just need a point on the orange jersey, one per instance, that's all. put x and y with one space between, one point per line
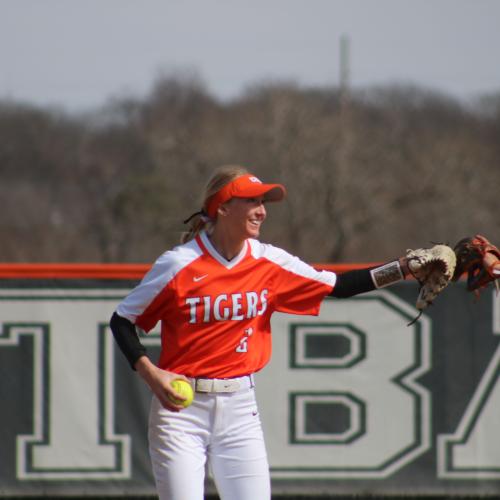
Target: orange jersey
215 314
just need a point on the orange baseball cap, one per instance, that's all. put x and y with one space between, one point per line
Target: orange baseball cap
245 186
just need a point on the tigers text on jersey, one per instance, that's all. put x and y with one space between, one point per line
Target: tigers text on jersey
215 314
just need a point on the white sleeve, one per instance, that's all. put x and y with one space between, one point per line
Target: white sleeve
161 273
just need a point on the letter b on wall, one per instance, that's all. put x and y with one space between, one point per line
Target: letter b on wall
349 404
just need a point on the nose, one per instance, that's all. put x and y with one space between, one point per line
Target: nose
261 209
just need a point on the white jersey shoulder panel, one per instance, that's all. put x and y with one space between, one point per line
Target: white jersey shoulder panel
290 263
164 270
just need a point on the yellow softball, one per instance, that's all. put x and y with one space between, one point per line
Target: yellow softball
184 389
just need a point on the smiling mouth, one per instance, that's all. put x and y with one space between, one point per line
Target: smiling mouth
255 223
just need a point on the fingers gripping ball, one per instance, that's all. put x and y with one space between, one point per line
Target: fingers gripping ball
433 268
184 389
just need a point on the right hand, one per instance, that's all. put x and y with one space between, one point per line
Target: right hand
159 381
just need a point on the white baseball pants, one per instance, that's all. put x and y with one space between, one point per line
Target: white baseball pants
223 428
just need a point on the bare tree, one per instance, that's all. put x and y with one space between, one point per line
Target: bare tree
386 169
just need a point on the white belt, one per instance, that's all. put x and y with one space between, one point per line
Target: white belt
222 384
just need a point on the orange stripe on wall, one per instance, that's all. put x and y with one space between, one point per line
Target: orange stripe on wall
72 271
107 271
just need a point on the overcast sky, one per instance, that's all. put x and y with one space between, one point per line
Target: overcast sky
79 53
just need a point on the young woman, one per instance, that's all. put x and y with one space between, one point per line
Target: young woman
214 295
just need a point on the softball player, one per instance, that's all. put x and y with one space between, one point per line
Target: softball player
214 295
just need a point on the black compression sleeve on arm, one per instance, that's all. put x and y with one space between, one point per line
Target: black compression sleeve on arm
127 339
352 283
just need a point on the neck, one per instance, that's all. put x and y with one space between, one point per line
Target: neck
227 246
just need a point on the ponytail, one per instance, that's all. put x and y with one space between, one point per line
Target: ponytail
197 223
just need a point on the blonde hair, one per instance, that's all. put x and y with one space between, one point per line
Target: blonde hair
200 221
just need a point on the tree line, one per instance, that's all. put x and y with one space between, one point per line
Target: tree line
369 173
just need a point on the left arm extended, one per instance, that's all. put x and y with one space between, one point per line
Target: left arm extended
359 281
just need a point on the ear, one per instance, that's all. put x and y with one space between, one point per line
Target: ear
223 210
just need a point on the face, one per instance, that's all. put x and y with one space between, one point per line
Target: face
243 216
